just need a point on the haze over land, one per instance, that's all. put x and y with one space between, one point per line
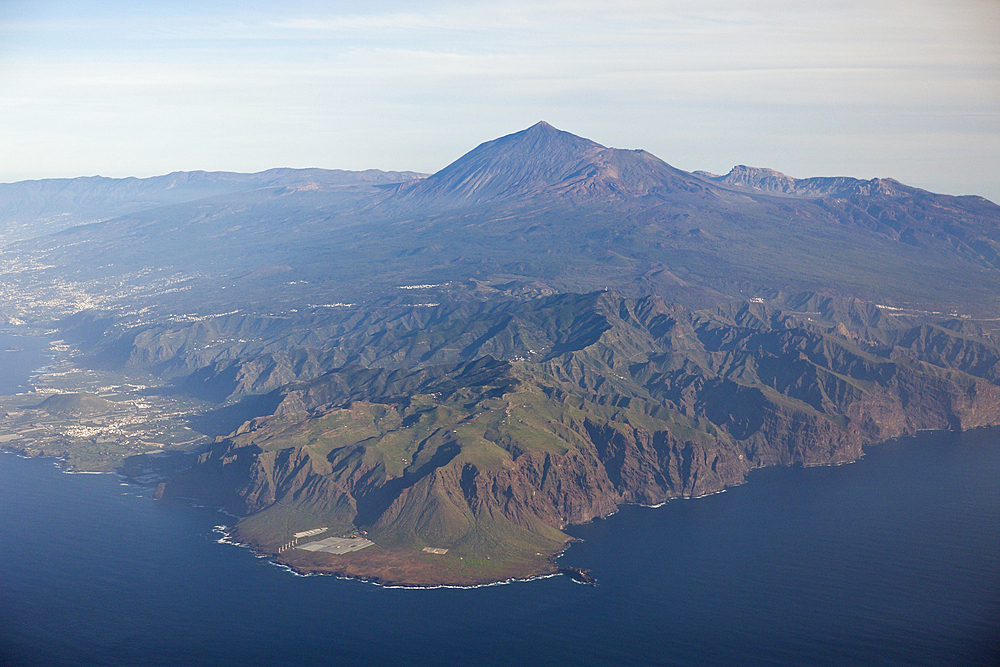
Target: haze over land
470 361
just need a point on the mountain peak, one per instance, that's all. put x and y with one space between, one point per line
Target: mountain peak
543 141
541 128
759 178
544 160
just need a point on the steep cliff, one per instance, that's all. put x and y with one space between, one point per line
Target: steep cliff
615 400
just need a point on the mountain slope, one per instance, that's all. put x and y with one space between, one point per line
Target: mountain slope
32 208
544 161
621 401
971 225
540 207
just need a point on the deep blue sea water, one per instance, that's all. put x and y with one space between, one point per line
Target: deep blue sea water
19 357
894 560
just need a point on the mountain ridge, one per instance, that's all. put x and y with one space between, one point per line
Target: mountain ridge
545 207
622 401
772 181
33 207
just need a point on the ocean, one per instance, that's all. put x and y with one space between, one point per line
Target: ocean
893 560
20 356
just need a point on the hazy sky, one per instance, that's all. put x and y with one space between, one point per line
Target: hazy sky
908 89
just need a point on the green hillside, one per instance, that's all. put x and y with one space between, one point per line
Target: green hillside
622 401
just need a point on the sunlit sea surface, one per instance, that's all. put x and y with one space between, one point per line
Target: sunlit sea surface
894 560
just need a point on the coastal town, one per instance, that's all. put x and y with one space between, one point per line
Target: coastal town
94 420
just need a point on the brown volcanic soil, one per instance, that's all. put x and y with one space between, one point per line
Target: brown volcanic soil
406 567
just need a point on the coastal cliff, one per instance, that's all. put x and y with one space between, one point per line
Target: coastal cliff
591 401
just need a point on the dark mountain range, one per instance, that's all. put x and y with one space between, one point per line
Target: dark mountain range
540 331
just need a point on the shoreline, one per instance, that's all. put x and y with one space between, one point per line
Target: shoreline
376 580
372 576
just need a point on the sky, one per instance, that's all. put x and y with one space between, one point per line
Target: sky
907 89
